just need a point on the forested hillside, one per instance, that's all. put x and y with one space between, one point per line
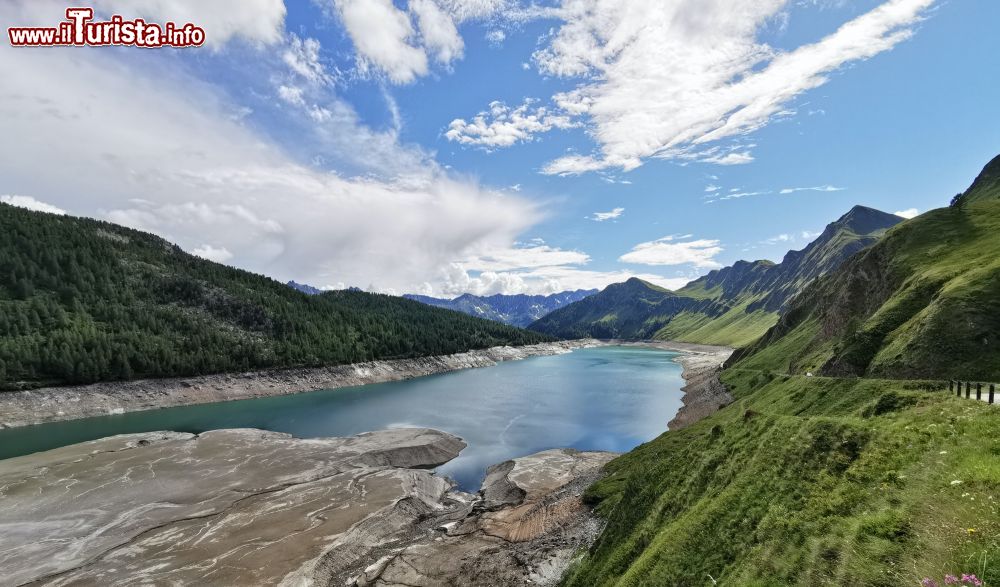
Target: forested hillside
84 301
923 302
729 306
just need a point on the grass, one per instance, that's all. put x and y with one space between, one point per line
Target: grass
737 327
807 481
923 301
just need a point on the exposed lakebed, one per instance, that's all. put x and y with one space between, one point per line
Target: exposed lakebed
609 398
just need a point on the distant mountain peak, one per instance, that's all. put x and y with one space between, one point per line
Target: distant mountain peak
514 309
864 220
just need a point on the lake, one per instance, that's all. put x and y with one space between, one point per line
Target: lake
605 398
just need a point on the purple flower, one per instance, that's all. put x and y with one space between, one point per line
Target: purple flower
971 580
928 582
950 580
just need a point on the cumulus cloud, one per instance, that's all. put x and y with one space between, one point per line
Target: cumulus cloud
502 126
220 255
31 204
674 78
438 30
231 184
602 216
674 250
384 38
908 213
399 41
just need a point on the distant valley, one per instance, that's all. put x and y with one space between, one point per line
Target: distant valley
731 306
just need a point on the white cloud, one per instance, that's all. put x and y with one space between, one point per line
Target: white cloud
502 126
820 188
384 38
541 280
438 30
780 238
667 78
602 216
393 227
908 213
524 257
292 95
302 57
496 37
712 188
31 204
220 255
670 251
399 43
809 234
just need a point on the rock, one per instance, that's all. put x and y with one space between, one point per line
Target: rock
525 530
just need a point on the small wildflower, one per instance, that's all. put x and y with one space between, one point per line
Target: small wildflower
950 580
972 531
928 582
956 482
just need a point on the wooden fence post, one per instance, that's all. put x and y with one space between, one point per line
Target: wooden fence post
968 389
979 391
991 393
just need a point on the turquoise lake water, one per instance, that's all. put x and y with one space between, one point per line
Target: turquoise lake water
606 398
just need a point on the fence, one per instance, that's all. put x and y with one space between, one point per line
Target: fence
956 388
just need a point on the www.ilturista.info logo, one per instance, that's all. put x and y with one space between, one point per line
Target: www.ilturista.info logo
79 30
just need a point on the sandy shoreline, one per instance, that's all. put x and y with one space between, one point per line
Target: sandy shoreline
703 393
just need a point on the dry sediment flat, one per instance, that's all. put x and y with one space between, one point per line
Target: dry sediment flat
248 507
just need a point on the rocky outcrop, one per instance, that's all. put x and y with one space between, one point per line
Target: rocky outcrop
248 507
38 406
524 528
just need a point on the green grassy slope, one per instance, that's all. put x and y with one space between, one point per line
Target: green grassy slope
807 481
835 480
730 306
924 301
83 301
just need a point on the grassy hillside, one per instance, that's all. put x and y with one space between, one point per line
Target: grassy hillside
807 481
924 301
84 301
730 306
635 309
835 481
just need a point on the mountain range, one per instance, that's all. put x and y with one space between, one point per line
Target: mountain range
923 302
518 310
731 306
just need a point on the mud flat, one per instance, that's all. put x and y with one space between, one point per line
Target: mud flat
51 404
248 507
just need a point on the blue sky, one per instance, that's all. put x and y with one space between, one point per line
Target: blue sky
485 146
